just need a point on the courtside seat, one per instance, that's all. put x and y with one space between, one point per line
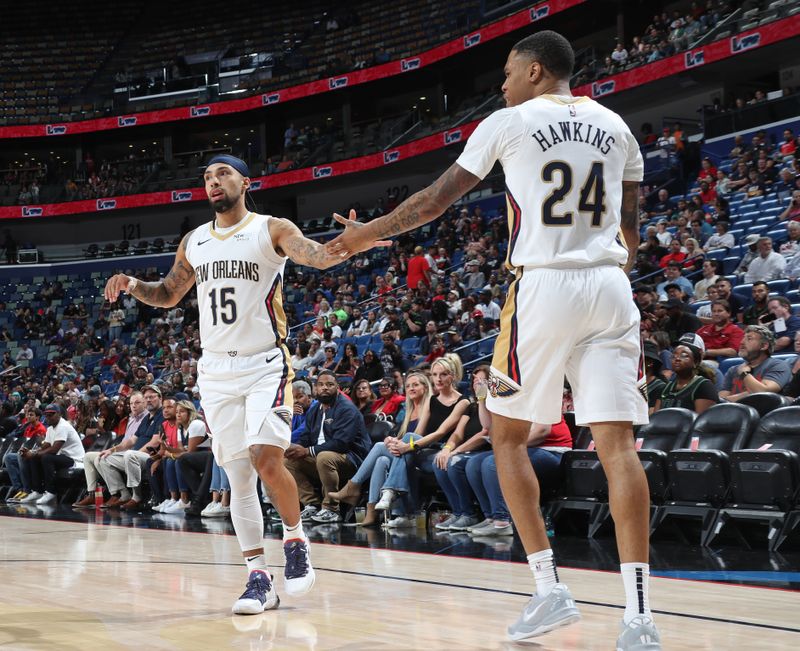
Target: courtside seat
699 476
667 430
765 477
765 401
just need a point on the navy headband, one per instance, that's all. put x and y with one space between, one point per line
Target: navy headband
236 163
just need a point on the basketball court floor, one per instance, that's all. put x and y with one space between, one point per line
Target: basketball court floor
73 580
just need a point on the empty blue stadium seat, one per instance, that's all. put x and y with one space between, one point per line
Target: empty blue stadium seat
486 346
781 286
789 358
697 305
725 364
729 264
744 291
410 346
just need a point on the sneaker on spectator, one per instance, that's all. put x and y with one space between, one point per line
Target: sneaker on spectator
461 523
298 576
502 530
46 498
445 524
30 498
179 506
307 513
326 516
159 508
210 510
482 529
17 497
223 512
258 596
401 521
480 525
387 497
85 503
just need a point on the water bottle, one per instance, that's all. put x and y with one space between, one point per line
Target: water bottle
98 496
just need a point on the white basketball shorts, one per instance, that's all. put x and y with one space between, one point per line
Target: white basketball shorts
581 324
247 400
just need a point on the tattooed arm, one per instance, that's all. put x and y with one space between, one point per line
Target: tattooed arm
420 208
289 241
630 221
164 293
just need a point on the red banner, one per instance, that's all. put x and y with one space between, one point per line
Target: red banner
451 48
360 164
716 51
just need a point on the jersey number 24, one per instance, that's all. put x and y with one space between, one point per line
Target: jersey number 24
591 199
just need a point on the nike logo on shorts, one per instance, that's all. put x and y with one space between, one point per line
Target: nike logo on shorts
273 358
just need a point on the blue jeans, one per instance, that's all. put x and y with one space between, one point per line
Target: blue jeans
20 480
455 485
219 480
375 468
400 469
174 476
482 476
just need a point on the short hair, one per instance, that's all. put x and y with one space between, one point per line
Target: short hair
326 371
765 334
725 305
550 49
782 300
760 282
302 386
724 224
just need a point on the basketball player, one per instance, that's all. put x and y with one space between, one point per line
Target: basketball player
572 172
237 261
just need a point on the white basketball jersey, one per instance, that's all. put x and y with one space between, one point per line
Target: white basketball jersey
564 159
239 280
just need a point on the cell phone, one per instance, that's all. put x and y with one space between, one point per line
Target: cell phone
768 318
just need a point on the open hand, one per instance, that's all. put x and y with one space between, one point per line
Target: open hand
116 284
355 238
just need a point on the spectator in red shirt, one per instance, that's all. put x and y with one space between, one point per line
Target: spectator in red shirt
389 401
675 254
707 193
721 337
788 146
708 173
33 424
418 270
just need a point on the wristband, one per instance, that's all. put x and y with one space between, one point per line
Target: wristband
411 443
447 446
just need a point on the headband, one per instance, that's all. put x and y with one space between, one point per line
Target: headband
236 163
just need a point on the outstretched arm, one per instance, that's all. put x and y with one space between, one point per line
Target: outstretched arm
420 208
164 293
288 240
630 221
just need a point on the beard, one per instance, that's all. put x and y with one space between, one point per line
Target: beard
326 399
223 204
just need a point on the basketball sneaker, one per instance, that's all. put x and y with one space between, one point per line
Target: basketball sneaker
298 576
639 634
544 614
258 596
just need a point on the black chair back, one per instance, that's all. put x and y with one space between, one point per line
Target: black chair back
667 430
724 427
779 429
765 401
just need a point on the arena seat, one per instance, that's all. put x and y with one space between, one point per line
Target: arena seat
765 477
699 477
765 401
667 430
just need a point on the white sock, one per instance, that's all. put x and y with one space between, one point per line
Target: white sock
544 571
291 533
635 577
257 562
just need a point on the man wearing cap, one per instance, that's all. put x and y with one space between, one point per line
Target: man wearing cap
489 309
236 260
760 371
678 320
62 448
473 278
721 337
121 467
751 242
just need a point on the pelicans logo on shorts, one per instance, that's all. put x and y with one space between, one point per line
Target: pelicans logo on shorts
499 387
284 415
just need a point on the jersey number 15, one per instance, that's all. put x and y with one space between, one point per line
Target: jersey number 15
227 306
591 199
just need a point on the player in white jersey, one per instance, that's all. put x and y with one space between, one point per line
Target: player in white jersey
572 171
237 262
